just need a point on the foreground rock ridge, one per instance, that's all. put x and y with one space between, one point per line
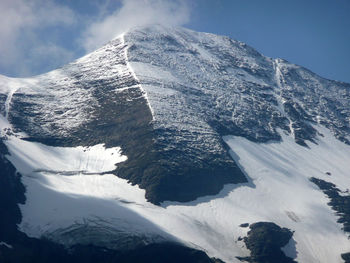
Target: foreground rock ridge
171 142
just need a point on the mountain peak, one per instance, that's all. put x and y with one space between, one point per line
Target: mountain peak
214 134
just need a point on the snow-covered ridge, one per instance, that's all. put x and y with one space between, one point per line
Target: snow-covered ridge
199 87
131 70
198 82
230 86
61 101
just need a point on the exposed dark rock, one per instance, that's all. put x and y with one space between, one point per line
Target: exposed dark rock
182 156
20 248
159 253
346 257
24 249
11 194
265 240
217 260
182 172
244 225
179 155
339 203
28 250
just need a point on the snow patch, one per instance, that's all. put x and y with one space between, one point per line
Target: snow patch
290 250
8 102
134 75
2 243
4 124
152 72
9 86
29 157
59 207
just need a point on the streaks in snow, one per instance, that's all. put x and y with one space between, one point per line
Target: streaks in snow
134 75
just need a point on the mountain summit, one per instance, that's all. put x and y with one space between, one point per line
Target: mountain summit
170 135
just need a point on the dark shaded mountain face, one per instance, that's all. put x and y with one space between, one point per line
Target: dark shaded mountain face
215 133
17 247
99 100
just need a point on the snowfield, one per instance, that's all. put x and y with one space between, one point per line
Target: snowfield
72 197
280 173
31 157
69 205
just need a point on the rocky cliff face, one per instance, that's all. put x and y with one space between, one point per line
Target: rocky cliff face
167 96
203 82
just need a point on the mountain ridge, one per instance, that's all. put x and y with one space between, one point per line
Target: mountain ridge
210 133
232 90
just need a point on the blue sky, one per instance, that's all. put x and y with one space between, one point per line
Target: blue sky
40 35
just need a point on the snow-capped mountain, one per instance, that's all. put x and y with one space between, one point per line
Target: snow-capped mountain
170 135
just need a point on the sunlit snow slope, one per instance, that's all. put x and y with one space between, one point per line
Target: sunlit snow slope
172 135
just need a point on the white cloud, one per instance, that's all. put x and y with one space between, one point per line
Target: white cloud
135 13
20 19
34 33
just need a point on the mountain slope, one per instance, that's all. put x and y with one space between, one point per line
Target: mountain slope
210 134
199 79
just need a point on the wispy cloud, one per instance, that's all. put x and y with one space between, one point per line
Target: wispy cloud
135 13
40 35
20 41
